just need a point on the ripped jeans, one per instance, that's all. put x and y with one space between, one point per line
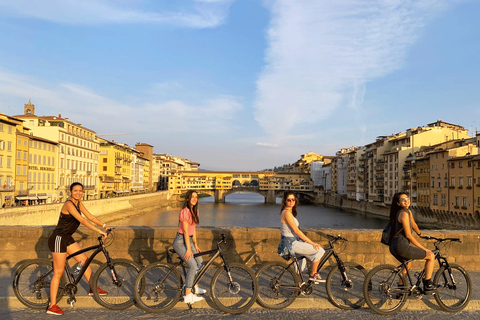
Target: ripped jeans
193 263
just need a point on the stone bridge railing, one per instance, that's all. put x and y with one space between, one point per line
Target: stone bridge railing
146 244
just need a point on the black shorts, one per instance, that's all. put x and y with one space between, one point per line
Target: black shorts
58 243
401 249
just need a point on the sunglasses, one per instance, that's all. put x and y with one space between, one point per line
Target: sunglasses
404 200
292 200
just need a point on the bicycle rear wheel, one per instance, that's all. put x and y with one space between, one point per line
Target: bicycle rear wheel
455 288
278 285
31 283
162 287
346 294
382 291
239 294
119 288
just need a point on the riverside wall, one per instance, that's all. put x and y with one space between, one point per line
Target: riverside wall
148 244
425 217
106 210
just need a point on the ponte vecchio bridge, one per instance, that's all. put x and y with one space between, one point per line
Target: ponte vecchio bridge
220 184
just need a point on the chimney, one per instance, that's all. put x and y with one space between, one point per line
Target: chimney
60 115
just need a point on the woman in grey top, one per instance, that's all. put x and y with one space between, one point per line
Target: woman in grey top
301 244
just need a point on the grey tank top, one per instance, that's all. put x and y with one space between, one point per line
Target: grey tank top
286 230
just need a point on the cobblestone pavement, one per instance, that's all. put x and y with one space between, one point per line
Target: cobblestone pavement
210 314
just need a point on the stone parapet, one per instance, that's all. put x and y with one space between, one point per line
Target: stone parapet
107 210
147 244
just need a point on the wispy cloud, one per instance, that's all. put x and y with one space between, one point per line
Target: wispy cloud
216 115
194 14
321 54
266 145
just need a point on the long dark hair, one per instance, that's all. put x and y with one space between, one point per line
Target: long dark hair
395 206
284 202
194 209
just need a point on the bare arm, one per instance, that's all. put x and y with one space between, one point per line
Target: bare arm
70 208
186 238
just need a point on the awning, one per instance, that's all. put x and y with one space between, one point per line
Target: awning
42 197
21 198
32 198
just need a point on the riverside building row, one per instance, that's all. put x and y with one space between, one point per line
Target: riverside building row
40 156
438 165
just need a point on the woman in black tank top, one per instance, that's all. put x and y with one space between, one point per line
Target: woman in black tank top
404 246
61 242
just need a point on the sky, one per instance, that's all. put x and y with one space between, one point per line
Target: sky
243 84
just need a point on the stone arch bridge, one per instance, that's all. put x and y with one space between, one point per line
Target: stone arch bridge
220 184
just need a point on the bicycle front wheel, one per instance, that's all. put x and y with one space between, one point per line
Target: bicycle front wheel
158 287
455 288
31 283
346 291
278 285
117 280
234 292
383 289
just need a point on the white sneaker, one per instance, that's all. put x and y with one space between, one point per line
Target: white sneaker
191 298
199 290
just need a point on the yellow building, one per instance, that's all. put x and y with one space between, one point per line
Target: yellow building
476 186
42 170
78 149
8 148
303 164
22 196
115 169
461 192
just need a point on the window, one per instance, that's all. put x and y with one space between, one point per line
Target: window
460 182
469 182
105 160
444 200
2 145
105 168
435 199
452 182
457 202
9 162
19 155
464 202
446 183
460 164
9 146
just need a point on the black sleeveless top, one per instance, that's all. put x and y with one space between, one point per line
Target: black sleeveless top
67 223
399 225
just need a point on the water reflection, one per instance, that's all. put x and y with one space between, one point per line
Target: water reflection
249 210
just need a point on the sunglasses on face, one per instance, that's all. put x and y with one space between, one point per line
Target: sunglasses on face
404 200
290 200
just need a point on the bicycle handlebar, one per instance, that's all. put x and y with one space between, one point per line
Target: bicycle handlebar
334 239
108 232
439 240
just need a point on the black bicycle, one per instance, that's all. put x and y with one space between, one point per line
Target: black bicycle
280 284
233 289
31 282
387 287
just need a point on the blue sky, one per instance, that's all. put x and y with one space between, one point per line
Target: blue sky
243 84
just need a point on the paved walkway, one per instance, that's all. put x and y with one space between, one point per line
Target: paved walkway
303 308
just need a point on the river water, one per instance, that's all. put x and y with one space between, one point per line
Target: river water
249 210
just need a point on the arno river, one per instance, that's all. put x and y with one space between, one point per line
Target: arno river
249 210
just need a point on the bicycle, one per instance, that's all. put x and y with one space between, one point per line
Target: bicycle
233 289
386 293
280 284
31 282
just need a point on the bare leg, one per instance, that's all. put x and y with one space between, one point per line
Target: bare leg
58 267
81 257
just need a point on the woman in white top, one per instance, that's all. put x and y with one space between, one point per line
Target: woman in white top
301 244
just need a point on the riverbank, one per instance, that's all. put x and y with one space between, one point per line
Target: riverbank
107 210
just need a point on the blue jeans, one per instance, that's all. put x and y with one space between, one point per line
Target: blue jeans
193 264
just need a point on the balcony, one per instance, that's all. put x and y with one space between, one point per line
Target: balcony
73 171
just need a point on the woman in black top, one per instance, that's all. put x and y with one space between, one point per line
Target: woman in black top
62 243
401 244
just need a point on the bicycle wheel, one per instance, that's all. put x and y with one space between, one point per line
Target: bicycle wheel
239 294
455 288
162 287
346 294
119 288
382 291
278 285
31 283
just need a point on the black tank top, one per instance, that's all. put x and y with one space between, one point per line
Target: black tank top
67 224
399 225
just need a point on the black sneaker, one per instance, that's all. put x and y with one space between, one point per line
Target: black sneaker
430 288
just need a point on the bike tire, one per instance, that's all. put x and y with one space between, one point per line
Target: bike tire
278 285
31 283
381 291
453 297
162 287
347 295
120 293
238 296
